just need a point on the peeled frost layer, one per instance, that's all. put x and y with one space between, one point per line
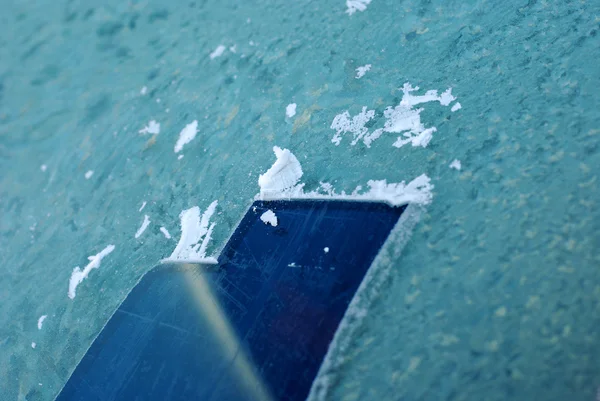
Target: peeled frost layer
456 164
195 235
152 128
282 181
79 275
186 135
283 175
218 52
361 71
356 5
403 119
41 321
269 217
143 227
290 110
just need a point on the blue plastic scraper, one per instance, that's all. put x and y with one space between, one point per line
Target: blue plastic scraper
255 327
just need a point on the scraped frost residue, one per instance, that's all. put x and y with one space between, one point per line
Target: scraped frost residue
269 217
403 119
356 5
165 233
218 52
79 275
186 135
282 181
143 227
361 71
456 164
196 233
290 110
89 174
143 206
152 128
456 107
41 321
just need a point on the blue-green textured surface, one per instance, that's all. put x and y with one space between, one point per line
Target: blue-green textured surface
495 297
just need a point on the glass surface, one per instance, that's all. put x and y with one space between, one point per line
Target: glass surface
495 295
254 328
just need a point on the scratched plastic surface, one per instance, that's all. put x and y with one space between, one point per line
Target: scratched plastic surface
254 328
494 297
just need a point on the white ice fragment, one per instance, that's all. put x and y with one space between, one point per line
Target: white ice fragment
187 135
420 139
326 249
165 233
361 71
217 52
356 126
281 181
455 164
152 128
144 90
269 217
79 275
143 206
233 48
356 5
179 157
456 107
41 321
283 176
43 167
402 119
194 229
33 345
143 227
89 174
290 110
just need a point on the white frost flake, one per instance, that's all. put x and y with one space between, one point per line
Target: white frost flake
281 181
290 110
195 235
283 175
456 164
269 217
79 275
89 174
326 249
456 107
342 124
43 167
217 52
143 227
33 345
143 206
144 90
41 321
403 119
165 233
152 128
361 71
186 135
356 5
